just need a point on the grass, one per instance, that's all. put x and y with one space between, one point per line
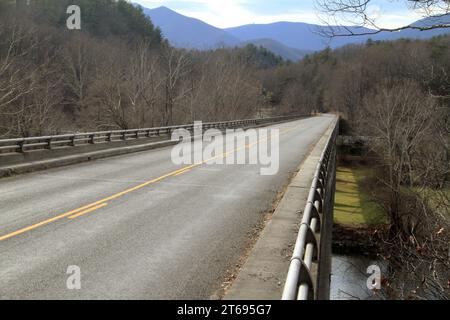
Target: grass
438 200
353 207
445 202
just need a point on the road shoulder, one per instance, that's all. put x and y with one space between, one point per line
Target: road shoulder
263 275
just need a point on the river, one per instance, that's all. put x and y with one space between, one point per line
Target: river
349 278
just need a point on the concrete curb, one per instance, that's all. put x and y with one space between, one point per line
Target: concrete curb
263 275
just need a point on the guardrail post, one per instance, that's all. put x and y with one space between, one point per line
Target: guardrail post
49 143
124 136
109 137
92 139
72 141
21 146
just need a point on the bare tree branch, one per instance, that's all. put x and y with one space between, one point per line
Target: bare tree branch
337 15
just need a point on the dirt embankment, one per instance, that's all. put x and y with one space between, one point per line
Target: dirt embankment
355 241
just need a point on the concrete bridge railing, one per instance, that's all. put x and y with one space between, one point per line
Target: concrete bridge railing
79 139
313 245
22 155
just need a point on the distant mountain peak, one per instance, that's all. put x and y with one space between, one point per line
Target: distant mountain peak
182 31
166 9
430 21
288 39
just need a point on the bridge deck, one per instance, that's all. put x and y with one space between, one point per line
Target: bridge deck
170 235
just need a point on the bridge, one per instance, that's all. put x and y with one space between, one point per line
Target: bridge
140 227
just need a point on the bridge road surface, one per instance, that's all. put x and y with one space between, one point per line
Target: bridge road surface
171 238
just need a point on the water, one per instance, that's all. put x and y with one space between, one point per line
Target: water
349 278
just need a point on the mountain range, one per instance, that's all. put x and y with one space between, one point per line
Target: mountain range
290 40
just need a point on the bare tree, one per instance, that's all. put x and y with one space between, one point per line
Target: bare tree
108 93
402 119
404 122
29 91
79 62
230 89
128 88
143 85
176 66
195 99
338 14
15 73
39 114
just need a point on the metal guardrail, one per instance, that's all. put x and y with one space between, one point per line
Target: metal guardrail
78 139
300 284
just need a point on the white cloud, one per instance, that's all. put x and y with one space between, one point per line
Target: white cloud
239 18
233 13
395 20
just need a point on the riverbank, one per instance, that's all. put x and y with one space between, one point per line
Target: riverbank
357 216
358 220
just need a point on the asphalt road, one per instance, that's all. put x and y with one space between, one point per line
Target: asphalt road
135 226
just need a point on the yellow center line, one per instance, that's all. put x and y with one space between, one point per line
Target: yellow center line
180 173
101 203
40 224
87 211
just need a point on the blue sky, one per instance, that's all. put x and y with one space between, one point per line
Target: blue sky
230 13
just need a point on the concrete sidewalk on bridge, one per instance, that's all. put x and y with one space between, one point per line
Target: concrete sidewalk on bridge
263 275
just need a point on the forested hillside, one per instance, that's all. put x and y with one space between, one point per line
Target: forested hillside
116 72
343 80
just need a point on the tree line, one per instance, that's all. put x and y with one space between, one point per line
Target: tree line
117 72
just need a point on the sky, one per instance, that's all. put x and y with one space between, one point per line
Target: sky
231 13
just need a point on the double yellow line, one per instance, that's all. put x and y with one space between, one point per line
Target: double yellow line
103 203
91 207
